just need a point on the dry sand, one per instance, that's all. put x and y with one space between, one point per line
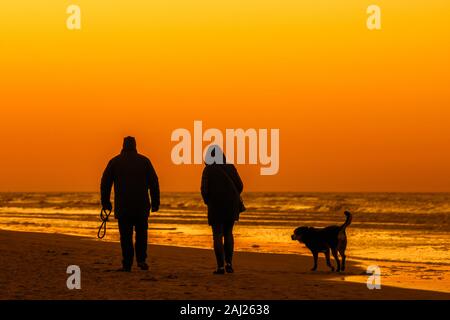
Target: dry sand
33 266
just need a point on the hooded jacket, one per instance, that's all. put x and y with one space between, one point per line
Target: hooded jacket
133 177
221 187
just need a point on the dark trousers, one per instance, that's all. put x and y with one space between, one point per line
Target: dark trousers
223 242
140 226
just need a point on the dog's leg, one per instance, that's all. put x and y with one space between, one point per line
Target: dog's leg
336 257
342 253
342 245
315 255
327 256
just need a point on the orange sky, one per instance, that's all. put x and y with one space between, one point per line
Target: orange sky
357 110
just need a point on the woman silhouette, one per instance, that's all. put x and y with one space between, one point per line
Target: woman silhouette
221 188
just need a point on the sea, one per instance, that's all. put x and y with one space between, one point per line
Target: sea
398 227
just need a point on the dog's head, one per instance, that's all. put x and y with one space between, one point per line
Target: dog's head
299 234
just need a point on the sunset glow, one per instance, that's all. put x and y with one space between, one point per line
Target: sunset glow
358 110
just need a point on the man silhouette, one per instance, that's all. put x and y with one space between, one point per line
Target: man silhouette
133 176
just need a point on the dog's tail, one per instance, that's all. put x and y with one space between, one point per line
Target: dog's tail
347 221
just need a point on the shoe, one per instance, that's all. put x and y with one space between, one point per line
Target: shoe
143 265
219 270
229 268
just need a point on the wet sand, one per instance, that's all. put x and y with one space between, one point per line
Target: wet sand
33 266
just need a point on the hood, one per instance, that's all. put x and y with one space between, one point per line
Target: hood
129 144
215 155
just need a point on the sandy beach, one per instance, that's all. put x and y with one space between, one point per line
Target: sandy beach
33 266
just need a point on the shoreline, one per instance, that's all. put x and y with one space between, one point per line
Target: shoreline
35 265
304 251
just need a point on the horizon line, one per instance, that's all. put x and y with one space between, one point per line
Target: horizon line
265 191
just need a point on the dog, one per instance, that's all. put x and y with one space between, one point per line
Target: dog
325 239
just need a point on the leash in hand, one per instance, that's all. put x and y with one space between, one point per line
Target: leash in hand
104 215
